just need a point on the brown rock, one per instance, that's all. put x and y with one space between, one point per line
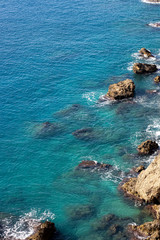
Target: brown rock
148 182
87 164
81 212
145 53
155 210
121 90
45 231
157 79
148 147
148 230
141 68
139 169
152 91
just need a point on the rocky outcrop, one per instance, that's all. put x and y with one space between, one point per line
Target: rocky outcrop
87 164
141 68
154 210
148 147
45 231
121 90
157 79
145 53
139 169
146 187
148 230
46 129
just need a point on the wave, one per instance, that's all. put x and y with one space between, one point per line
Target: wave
155 25
25 225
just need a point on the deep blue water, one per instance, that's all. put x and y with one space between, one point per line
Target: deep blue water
54 54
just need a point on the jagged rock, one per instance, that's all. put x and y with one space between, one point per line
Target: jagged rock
146 187
148 147
87 164
145 53
121 90
81 212
45 231
157 79
148 230
141 68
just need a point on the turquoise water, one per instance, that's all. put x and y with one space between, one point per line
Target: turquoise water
55 54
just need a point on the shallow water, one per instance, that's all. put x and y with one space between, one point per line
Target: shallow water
55 54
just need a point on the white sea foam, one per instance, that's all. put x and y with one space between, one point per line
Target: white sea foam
153 130
138 56
25 225
146 1
155 25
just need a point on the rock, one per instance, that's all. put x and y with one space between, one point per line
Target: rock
156 25
148 230
147 148
154 1
139 169
81 212
145 53
46 129
114 229
104 222
87 164
84 134
121 90
154 210
45 231
146 187
157 79
148 182
141 68
69 110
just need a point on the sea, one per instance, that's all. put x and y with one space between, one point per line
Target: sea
57 58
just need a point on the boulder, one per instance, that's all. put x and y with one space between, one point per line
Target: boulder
157 79
87 164
121 90
148 230
147 148
141 68
145 53
45 231
146 187
139 169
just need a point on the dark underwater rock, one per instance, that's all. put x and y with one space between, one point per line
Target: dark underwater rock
69 110
121 90
45 231
104 222
47 129
81 212
141 68
148 147
84 134
145 53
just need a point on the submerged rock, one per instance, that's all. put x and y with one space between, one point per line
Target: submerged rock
69 110
145 53
157 79
46 129
152 91
121 90
87 164
148 147
148 230
141 68
146 187
45 231
81 212
84 133
104 222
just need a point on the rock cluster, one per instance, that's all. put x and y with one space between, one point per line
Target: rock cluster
148 147
141 68
121 90
87 164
